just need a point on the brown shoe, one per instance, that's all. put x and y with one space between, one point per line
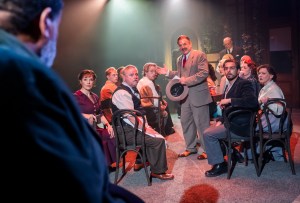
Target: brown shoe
186 153
138 167
164 176
202 156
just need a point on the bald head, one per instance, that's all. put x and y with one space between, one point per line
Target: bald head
227 42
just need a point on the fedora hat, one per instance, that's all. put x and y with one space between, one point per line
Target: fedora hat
176 91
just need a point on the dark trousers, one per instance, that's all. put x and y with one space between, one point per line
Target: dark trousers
169 124
155 150
165 126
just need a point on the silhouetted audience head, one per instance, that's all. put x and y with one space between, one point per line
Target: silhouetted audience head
35 21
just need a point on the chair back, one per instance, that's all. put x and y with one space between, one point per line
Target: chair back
129 130
290 125
132 119
272 119
275 125
239 120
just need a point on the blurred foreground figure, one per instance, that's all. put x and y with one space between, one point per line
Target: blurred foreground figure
51 153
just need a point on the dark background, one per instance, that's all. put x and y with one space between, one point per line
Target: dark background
97 34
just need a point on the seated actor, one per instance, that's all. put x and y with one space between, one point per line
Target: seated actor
91 110
238 93
267 77
126 96
107 91
151 100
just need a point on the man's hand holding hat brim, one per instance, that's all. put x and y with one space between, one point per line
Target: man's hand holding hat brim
175 91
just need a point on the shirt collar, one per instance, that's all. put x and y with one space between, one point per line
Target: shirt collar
131 88
187 55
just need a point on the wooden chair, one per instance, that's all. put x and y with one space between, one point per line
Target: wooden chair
270 136
122 129
241 122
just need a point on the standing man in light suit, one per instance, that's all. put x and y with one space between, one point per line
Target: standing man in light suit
192 68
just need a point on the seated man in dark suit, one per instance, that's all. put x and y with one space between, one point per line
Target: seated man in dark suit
229 48
238 93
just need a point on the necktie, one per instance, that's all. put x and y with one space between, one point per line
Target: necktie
226 90
184 60
228 51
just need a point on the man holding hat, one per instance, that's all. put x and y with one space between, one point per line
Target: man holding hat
192 91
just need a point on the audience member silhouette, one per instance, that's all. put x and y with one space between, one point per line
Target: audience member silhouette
52 154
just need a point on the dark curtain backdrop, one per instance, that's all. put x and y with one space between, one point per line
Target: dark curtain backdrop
96 36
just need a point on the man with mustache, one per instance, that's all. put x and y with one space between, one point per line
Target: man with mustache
106 91
192 68
238 93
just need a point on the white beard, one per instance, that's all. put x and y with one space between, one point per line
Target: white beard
48 53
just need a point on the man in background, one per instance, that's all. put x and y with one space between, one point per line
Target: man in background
229 48
50 154
107 91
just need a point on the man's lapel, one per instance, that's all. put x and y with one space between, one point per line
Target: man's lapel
189 61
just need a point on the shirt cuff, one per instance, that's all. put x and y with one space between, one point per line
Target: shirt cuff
168 72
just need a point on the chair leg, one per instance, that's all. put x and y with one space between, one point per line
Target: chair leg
291 161
245 154
119 157
284 149
149 178
243 147
144 160
117 169
254 155
260 158
229 161
124 164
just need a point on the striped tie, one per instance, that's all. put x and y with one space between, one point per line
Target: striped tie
184 60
